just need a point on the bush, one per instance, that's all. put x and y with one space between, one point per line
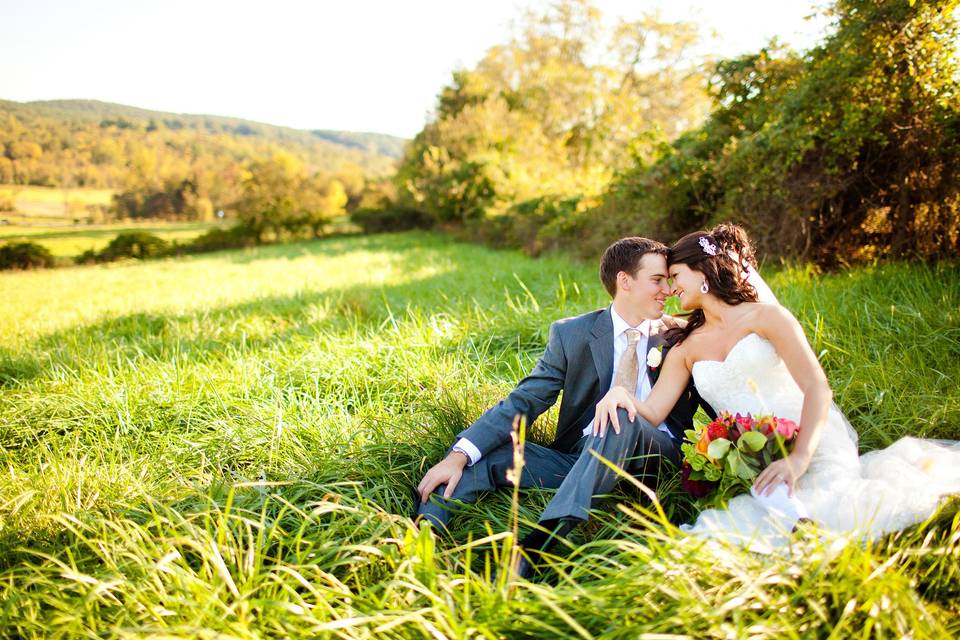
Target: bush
25 255
134 244
390 219
217 239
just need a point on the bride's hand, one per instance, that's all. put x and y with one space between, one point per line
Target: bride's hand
787 470
607 410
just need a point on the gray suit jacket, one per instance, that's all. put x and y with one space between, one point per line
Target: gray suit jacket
578 361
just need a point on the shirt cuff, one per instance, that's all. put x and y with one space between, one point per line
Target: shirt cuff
470 449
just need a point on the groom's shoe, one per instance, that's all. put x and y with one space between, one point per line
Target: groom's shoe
533 548
537 544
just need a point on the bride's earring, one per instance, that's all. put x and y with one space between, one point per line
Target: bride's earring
704 288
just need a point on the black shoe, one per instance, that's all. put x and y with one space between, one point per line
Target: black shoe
525 569
538 544
521 567
546 535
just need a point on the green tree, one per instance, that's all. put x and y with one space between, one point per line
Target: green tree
552 113
848 153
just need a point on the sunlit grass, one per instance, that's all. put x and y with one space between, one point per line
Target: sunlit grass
222 444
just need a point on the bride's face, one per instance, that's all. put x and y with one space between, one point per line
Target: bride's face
686 285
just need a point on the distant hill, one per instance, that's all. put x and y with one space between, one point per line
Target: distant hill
101 144
373 143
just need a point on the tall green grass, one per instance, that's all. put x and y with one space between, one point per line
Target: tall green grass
221 446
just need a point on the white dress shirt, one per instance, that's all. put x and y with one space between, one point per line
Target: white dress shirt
620 327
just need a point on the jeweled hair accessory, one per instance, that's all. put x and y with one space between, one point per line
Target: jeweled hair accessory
708 247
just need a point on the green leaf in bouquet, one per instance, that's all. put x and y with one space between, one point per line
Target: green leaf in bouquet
752 441
747 471
698 463
712 473
731 462
697 475
718 448
691 435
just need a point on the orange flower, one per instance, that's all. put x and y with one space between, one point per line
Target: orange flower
703 443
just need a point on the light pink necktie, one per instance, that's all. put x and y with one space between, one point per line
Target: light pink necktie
629 368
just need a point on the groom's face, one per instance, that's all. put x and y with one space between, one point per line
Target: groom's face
647 290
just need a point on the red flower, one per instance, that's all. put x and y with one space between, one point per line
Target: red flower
717 429
745 422
696 488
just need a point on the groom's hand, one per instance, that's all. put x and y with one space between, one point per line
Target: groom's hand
448 471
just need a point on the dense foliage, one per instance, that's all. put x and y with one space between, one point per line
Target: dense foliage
848 152
138 245
25 255
554 112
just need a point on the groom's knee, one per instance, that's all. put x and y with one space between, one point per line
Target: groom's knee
628 426
626 438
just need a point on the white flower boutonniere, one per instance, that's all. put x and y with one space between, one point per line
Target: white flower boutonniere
655 357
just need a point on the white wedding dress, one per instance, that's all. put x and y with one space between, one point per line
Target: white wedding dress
866 496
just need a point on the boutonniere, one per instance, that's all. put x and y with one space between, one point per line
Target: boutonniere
655 357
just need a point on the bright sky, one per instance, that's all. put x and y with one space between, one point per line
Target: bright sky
362 65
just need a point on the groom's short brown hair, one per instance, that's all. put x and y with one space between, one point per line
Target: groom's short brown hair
625 255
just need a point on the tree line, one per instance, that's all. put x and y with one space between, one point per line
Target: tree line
166 166
572 134
577 131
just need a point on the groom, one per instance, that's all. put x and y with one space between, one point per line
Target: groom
585 355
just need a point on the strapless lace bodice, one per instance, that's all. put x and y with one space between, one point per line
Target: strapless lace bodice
876 493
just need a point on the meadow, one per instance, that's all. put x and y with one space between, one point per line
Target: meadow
31 203
222 446
59 219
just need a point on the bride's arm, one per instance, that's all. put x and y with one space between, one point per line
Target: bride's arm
670 385
783 331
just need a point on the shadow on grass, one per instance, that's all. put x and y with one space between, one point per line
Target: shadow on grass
272 321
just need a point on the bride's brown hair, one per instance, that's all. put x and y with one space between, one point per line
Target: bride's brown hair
709 255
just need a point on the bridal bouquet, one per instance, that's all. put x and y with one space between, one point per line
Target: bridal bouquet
725 456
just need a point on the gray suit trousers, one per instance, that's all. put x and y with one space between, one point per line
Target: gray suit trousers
579 477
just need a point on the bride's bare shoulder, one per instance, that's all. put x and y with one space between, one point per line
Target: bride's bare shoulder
772 317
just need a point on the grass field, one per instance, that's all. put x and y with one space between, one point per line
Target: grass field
51 204
59 220
222 445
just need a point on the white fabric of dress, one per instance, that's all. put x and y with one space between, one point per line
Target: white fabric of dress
866 496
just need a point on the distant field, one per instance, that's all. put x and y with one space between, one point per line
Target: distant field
69 241
60 220
49 204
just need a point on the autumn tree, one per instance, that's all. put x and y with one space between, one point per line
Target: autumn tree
553 113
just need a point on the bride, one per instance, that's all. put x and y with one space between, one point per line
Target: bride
751 356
